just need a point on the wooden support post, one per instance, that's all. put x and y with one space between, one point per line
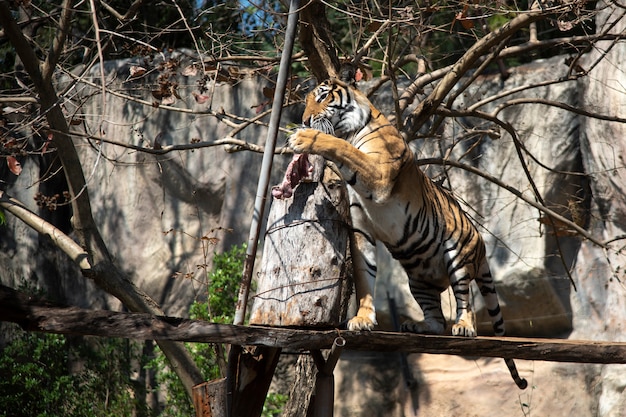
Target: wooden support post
410 389
209 399
300 402
253 374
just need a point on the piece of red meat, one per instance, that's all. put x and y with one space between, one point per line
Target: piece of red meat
299 169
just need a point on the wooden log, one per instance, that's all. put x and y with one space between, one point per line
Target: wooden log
35 315
304 277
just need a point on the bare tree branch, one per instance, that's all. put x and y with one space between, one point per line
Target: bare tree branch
130 12
230 145
65 22
416 87
103 270
60 239
515 192
221 114
564 106
427 107
316 39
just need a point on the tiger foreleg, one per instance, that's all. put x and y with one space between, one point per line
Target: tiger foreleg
364 265
366 175
365 318
330 147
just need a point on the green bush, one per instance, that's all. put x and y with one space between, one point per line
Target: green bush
35 377
222 287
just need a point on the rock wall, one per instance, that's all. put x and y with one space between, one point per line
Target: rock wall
170 213
162 216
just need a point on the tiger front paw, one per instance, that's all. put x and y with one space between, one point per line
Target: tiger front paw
302 140
358 323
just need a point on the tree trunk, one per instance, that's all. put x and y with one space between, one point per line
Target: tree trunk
317 41
303 280
298 404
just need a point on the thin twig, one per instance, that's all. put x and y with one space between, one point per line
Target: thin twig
559 218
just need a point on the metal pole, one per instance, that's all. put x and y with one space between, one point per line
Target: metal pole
334 354
261 195
268 158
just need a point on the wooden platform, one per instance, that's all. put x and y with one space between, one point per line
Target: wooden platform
37 315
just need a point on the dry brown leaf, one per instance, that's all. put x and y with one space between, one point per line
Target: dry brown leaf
14 165
200 98
268 92
137 71
190 71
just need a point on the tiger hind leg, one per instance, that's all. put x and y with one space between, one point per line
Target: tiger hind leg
464 325
460 272
429 300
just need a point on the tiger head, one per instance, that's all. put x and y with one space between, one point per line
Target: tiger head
336 108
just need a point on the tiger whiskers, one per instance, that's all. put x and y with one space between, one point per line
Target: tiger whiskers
323 125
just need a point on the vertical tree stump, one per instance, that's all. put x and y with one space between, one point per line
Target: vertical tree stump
303 280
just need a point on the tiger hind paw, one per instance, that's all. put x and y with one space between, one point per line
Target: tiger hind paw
464 329
421 327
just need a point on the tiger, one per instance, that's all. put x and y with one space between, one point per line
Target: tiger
392 201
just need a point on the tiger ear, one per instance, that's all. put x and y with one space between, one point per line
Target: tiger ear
348 73
336 81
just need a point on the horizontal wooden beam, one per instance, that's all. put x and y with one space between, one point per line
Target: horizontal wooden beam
34 315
